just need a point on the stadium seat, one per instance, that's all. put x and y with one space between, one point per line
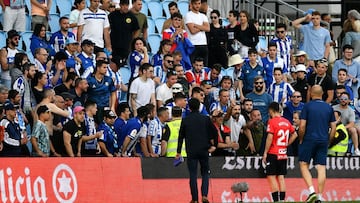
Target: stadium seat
53 7
151 25
159 22
165 5
144 9
54 22
28 22
64 7
229 72
28 5
183 7
25 40
154 41
155 9
30 56
2 39
225 21
125 74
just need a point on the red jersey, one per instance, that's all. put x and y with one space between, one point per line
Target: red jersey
281 128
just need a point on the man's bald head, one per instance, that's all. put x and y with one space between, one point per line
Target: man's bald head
316 92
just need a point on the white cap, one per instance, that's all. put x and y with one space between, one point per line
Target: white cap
177 87
300 67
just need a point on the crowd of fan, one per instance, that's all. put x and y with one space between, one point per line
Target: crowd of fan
73 101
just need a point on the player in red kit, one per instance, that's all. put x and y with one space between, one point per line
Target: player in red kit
275 156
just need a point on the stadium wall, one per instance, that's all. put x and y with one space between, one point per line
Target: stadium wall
151 180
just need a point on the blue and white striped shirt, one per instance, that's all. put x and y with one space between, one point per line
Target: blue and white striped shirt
281 92
284 48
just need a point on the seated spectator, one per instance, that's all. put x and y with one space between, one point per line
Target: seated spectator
160 71
206 85
19 61
180 100
227 84
67 85
108 141
39 82
293 147
302 58
343 80
197 73
181 78
58 69
138 56
339 145
73 63
87 57
280 90
40 139
198 94
80 91
38 40
214 74
57 126
292 106
164 49
237 62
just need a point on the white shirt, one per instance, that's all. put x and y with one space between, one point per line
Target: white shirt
143 91
163 93
94 24
197 18
235 127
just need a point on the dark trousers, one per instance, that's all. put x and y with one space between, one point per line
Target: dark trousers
192 163
202 52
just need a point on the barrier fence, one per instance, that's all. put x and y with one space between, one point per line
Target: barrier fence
157 180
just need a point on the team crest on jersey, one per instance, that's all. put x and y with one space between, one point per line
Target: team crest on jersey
247 71
94 86
259 72
106 84
128 20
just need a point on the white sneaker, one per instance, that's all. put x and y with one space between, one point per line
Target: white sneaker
357 152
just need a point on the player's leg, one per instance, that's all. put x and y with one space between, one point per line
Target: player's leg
271 172
192 167
273 187
282 187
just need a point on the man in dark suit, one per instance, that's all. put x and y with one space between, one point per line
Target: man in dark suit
199 133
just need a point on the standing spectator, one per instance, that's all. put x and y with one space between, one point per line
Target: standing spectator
275 156
155 132
87 58
73 131
247 34
40 12
164 49
161 71
94 25
164 92
205 8
260 98
342 82
170 135
79 5
20 60
80 91
348 119
59 72
339 145
316 118
232 31
352 37
58 38
131 131
101 89
249 71
270 62
41 60
284 45
222 103
181 78
67 85
13 139
247 107
316 38
57 126
91 145
196 26
124 29
353 68
40 80
7 56
109 140
142 89
199 134
123 114
322 79
301 81
13 15
141 18
280 90
216 40
73 63
292 106
138 56
40 138
199 94
38 40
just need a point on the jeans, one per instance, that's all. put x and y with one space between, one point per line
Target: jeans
192 163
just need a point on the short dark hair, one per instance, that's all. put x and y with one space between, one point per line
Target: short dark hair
161 110
71 76
63 18
274 106
342 69
60 56
171 72
194 104
217 67
278 69
316 13
89 103
252 51
176 15
281 25
272 44
196 90
143 112
12 94
198 59
99 63
122 107
176 111
171 4
340 87
27 66
145 66
346 93
133 42
235 13
347 46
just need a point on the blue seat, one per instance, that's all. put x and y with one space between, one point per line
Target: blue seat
225 21
53 7
159 22
165 5
28 22
25 40
151 25
144 8
125 73
155 9
154 41
183 7
54 22
28 5
2 39
30 56
64 7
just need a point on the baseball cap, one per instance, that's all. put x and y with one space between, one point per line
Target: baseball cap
71 40
12 33
67 95
9 106
300 67
235 59
42 109
177 87
87 42
78 109
109 114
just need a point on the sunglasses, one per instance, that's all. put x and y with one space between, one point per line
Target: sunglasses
169 61
282 31
258 83
213 17
296 96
